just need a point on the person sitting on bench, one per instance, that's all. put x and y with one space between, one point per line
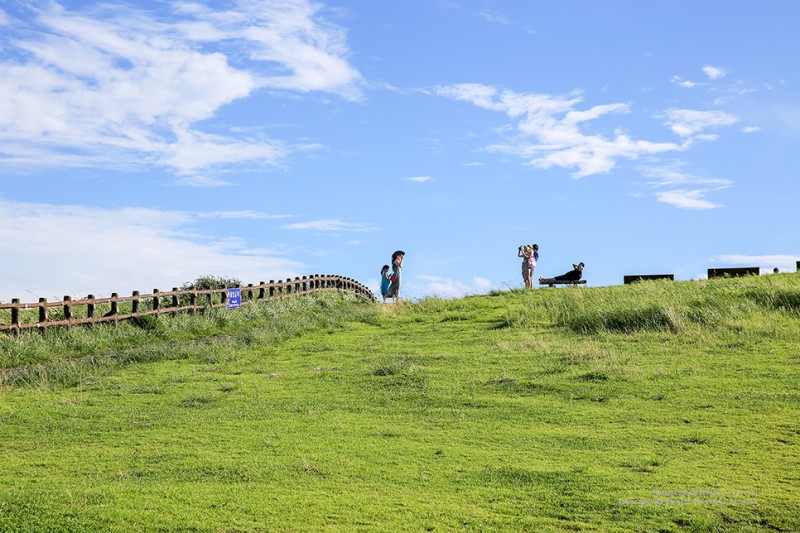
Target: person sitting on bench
573 275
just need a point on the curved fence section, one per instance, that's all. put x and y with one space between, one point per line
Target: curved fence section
17 316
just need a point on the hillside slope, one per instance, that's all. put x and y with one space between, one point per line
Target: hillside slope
661 406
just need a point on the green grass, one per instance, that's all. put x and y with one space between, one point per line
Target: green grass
651 407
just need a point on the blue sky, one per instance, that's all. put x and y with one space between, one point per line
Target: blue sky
144 144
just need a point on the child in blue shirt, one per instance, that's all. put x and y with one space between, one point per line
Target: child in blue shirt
386 280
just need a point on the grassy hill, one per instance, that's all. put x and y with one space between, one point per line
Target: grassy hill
662 406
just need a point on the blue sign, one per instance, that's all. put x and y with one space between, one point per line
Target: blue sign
234 298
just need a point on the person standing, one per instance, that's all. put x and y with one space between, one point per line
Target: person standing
386 280
397 270
530 256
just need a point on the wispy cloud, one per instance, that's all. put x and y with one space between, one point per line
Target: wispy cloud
241 215
419 179
447 287
714 73
674 186
331 225
119 250
688 122
672 175
495 18
549 130
782 261
686 84
686 199
114 86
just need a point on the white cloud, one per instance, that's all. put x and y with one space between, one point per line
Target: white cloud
686 84
203 182
751 129
78 250
330 225
549 130
419 179
446 287
784 262
671 175
714 73
691 189
496 18
688 122
481 283
474 164
241 215
122 87
686 199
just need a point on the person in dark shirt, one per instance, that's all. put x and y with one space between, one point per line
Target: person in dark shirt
573 275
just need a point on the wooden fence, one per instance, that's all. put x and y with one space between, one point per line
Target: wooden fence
91 310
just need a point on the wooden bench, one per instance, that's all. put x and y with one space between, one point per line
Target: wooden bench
550 282
633 278
733 272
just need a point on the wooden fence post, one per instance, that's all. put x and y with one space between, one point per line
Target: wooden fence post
42 314
135 303
271 289
68 309
175 303
15 316
249 292
114 307
156 302
261 290
193 301
90 307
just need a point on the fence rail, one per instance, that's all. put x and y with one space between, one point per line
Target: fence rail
17 316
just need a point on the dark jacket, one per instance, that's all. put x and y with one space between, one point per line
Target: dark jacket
573 275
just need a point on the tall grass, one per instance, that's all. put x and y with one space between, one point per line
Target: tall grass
66 357
667 306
